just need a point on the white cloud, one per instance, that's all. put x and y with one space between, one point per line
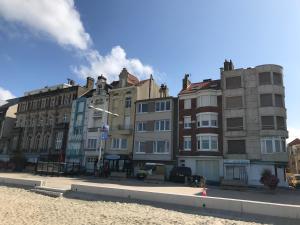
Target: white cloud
5 94
57 18
293 134
60 20
111 65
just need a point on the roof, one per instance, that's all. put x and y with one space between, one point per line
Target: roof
9 102
132 79
294 142
194 87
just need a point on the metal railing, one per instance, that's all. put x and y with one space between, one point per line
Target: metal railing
58 168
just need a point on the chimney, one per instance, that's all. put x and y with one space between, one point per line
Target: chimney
163 91
71 82
228 65
89 83
185 81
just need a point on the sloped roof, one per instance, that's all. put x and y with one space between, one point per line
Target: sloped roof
132 79
294 142
194 87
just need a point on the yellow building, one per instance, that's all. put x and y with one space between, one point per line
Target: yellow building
125 92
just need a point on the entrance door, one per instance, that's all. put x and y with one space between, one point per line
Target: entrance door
209 169
127 122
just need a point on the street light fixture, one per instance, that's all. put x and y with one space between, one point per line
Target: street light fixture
101 130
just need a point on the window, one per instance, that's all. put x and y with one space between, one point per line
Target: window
235 123
162 106
264 78
46 142
207 142
267 123
236 146
277 78
79 118
187 143
187 122
140 146
119 143
65 118
58 140
234 102
80 107
207 120
141 126
207 100
233 82
162 147
266 100
37 142
142 107
272 145
92 144
280 123
127 102
162 125
187 103
279 101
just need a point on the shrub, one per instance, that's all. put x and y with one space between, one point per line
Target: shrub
268 179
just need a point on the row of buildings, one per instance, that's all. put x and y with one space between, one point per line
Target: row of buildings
227 129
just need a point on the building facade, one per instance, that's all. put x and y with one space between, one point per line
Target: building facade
7 123
43 117
155 138
85 126
294 156
200 128
254 123
122 96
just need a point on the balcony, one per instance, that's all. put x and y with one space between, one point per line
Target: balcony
97 114
93 129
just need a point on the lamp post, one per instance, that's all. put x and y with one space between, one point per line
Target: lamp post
101 130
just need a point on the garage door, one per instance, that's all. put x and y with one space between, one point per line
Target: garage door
208 169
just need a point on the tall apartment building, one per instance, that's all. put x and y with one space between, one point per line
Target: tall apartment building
43 120
85 126
155 138
125 91
200 128
7 123
254 122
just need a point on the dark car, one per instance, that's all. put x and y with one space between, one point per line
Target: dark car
180 174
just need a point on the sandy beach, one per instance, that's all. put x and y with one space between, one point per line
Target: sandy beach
19 206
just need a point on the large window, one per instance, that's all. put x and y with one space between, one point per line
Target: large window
207 142
162 125
235 124
277 78
209 119
162 106
80 107
187 122
162 147
79 119
187 143
273 145
236 146
266 100
187 103
142 107
234 102
127 102
140 126
280 121
119 143
140 146
207 100
264 78
267 123
233 82
58 140
92 143
278 100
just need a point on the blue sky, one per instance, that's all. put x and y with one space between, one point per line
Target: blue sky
44 42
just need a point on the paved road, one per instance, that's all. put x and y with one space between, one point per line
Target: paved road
284 196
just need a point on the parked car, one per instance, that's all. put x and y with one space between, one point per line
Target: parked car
151 170
180 174
294 180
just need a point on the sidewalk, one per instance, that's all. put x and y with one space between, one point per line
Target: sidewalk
283 196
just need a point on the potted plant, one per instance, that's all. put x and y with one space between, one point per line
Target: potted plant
269 180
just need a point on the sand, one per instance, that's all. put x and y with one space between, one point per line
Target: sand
19 206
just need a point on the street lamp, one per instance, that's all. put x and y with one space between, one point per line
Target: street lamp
101 130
